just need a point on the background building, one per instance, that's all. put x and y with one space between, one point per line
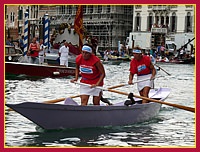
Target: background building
108 23
176 18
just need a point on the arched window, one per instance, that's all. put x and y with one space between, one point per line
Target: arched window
167 20
173 22
157 18
35 11
137 22
188 22
162 22
149 21
20 13
12 17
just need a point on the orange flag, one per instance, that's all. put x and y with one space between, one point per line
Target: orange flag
78 25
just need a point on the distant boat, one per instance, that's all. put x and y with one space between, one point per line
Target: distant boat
12 54
112 62
38 70
179 61
122 58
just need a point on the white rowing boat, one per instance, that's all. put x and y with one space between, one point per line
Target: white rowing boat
73 115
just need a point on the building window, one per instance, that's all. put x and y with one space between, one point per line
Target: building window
84 9
35 11
173 22
20 13
69 9
137 22
27 10
188 22
138 6
167 20
167 23
12 17
162 20
90 9
108 9
150 21
62 9
99 9
157 20
127 10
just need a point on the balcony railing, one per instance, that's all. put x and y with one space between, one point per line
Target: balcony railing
160 8
159 30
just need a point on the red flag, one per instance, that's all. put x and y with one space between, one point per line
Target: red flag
78 25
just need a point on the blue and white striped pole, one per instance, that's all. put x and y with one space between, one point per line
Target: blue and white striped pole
46 30
119 47
26 32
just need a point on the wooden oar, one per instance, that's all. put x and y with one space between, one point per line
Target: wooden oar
62 99
113 87
122 85
102 99
59 100
158 101
162 69
145 98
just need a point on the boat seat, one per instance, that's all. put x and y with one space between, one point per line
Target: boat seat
70 101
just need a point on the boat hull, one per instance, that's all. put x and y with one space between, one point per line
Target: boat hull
60 116
37 70
179 61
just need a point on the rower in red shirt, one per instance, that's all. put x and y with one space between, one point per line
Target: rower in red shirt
141 66
92 72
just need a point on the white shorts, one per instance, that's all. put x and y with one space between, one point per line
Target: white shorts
147 83
86 90
64 62
41 59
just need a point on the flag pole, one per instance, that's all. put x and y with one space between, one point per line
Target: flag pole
78 25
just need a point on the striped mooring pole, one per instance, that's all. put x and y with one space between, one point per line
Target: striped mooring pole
46 30
26 32
119 47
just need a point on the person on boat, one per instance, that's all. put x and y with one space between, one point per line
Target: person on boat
9 42
63 53
92 72
162 49
42 52
106 55
182 53
21 42
166 59
143 67
33 51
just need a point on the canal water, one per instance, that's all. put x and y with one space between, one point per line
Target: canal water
171 127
